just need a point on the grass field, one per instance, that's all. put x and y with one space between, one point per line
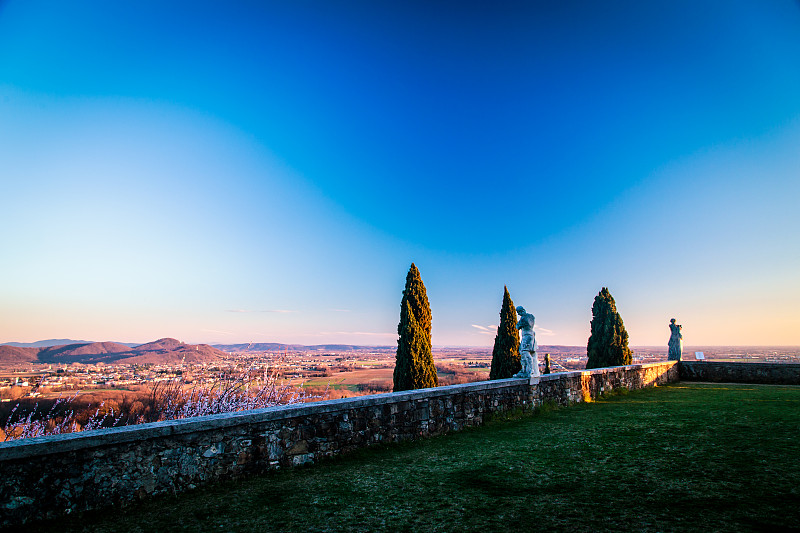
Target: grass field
685 457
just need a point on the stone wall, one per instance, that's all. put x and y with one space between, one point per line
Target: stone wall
767 373
46 477
571 387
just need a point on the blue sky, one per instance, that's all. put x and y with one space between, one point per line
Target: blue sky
260 171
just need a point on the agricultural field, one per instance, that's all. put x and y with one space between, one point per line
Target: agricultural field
316 374
355 380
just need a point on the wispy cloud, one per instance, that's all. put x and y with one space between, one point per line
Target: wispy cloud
359 333
491 329
263 311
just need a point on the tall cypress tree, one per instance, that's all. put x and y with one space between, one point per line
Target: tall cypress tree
505 355
414 367
608 343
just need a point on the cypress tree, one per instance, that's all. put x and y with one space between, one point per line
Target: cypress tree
414 367
608 343
505 355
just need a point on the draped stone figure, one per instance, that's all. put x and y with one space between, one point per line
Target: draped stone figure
675 341
527 345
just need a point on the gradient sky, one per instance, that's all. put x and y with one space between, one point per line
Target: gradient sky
267 171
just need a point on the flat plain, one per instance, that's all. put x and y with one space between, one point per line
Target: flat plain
683 457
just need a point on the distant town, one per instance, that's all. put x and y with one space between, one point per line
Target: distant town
329 371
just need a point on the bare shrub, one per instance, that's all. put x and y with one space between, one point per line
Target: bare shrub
166 400
137 409
15 392
59 418
376 386
450 374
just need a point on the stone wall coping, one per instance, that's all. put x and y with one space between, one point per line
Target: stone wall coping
53 444
50 444
742 364
605 370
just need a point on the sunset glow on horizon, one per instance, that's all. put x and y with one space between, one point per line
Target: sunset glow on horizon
260 172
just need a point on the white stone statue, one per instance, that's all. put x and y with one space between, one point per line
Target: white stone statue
675 341
527 345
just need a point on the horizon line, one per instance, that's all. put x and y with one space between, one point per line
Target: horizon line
434 346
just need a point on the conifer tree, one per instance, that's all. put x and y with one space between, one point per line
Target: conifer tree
608 343
414 367
505 355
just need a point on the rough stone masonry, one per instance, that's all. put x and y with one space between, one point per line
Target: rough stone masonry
46 477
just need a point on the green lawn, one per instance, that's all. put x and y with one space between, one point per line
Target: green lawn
686 457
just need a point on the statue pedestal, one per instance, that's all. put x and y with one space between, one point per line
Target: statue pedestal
534 380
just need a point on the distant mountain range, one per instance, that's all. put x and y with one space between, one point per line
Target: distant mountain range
162 351
46 343
278 347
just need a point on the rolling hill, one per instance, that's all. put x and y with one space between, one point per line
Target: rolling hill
162 351
44 344
75 352
15 354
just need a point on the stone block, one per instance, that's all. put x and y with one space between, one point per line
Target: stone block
298 448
